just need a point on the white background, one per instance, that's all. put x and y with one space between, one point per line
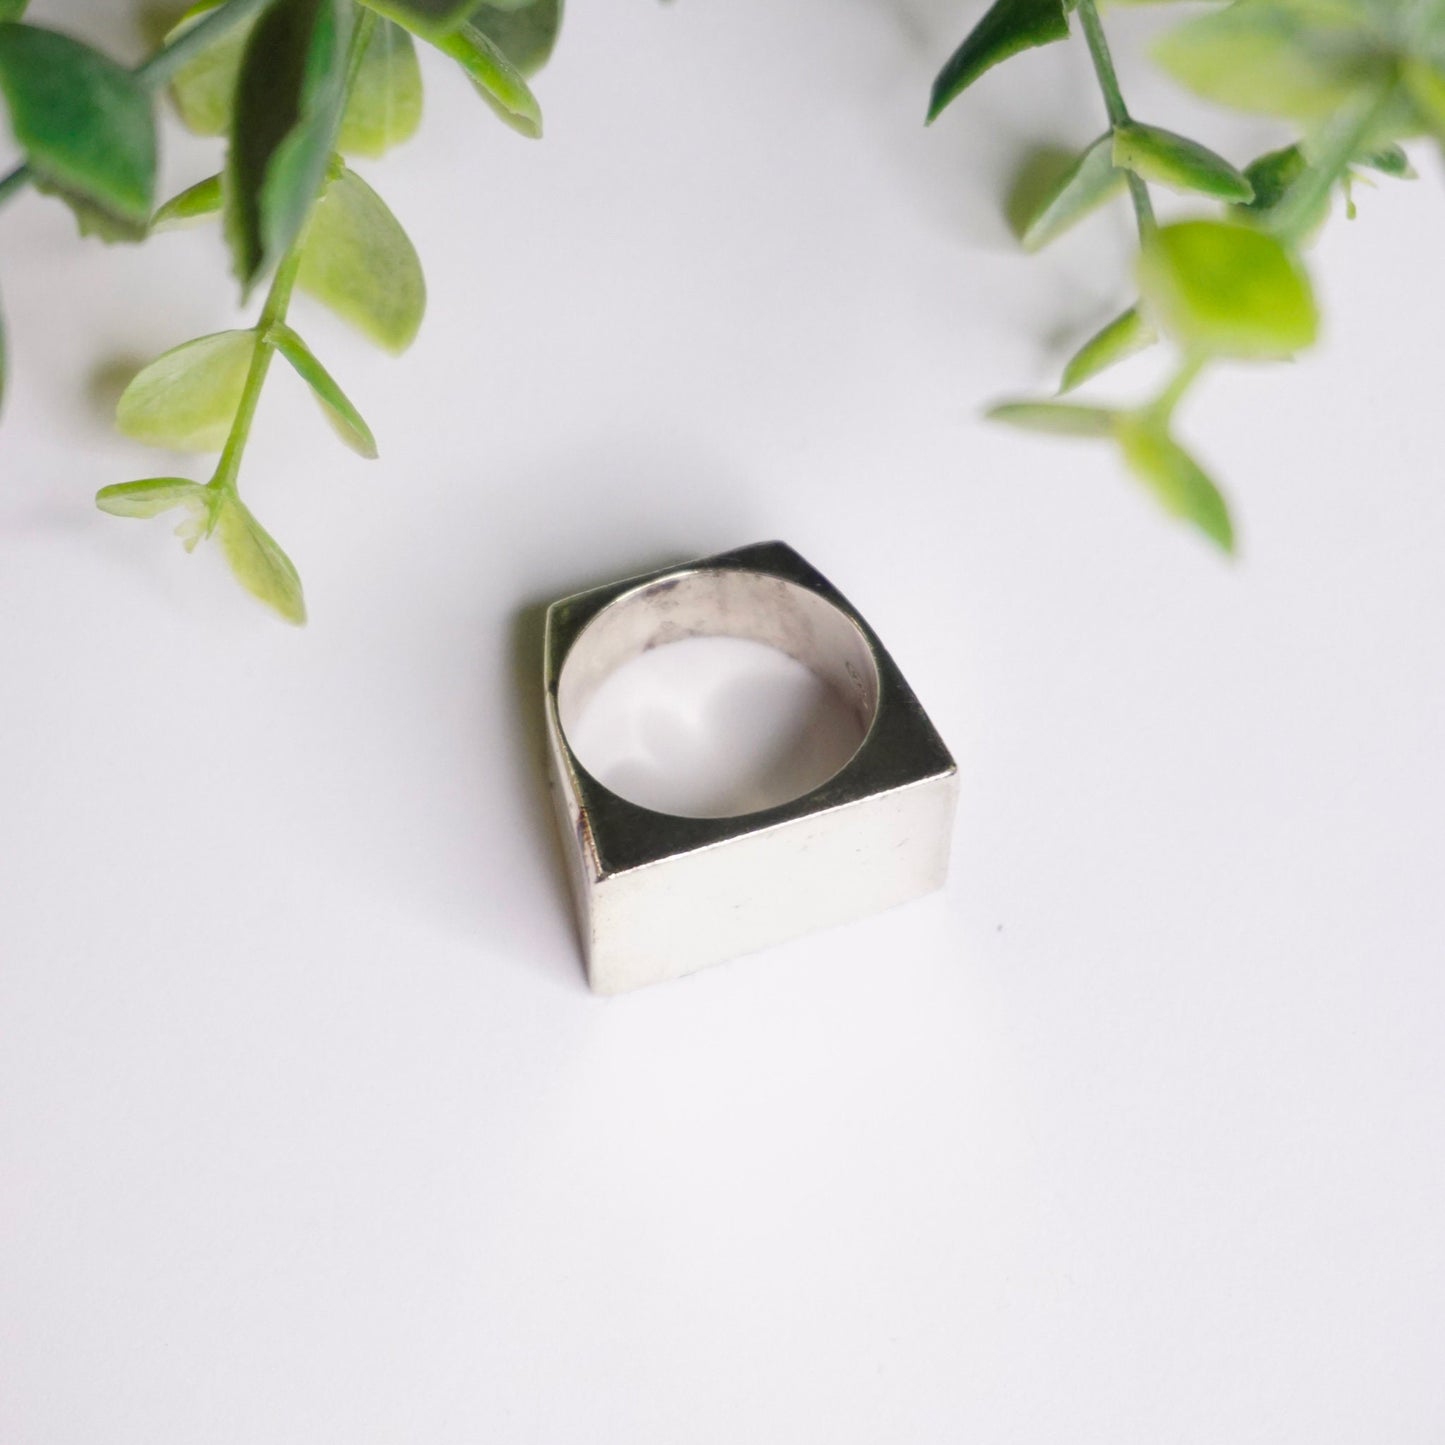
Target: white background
309 1128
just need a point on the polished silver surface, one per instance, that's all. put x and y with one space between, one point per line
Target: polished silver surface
660 895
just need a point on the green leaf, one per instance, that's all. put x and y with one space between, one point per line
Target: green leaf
261 567
496 79
1060 418
1123 336
1227 290
204 89
1294 61
192 204
1425 86
161 494
1390 160
526 34
1175 161
357 260
1008 27
12 9
344 417
1087 183
1175 478
85 125
384 107
187 398
431 19
288 107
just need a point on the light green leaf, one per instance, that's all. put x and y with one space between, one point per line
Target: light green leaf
431 19
1060 418
1175 161
288 107
1272 59
1090 181
160 494
187 398
1008 27
1425 86
192 204
1123 336
525 33
260 565
1175 478
85 125
344 418
1227 290
204 89
496 79
384 107
357 260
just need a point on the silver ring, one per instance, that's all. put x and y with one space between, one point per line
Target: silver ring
659 895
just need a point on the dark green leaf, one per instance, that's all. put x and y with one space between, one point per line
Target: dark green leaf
384 107
1227 290
205 88
85 125
288 107
1390 160
431 19
187 398
1175 161
12 9
496 79
193 203
1123 336
1090 181
526 34
1009 27
261 567
358 261
1175 478
1060 418
342 415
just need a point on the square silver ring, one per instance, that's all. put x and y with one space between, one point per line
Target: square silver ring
660 895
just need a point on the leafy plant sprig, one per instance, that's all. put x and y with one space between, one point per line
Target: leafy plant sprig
294 86
1354 78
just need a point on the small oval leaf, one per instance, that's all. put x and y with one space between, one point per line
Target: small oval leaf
1175 478
192 204
526 34
86 126
1008 27
345 420
1123 336
1175 161
384 106
357 260
1086 185
187 398
149 498
496 79
1059 418
259 564
204 89
1227 290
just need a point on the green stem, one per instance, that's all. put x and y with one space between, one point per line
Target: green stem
278 301
1114 104
1163 405
1344 137
158 69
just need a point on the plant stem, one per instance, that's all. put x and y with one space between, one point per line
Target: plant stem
158 68
278 300
1163 405
1114 104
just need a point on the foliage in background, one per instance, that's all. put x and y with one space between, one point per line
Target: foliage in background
1352 78
295 87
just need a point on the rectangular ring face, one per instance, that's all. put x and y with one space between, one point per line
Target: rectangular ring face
659 895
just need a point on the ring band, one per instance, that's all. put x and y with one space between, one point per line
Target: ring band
660 895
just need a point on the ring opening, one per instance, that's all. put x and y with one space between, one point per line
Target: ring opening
717 692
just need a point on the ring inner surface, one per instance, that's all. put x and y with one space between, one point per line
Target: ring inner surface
722 602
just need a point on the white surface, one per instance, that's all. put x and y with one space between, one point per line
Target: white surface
309 1129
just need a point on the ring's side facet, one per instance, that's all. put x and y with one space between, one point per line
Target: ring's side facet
659 895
